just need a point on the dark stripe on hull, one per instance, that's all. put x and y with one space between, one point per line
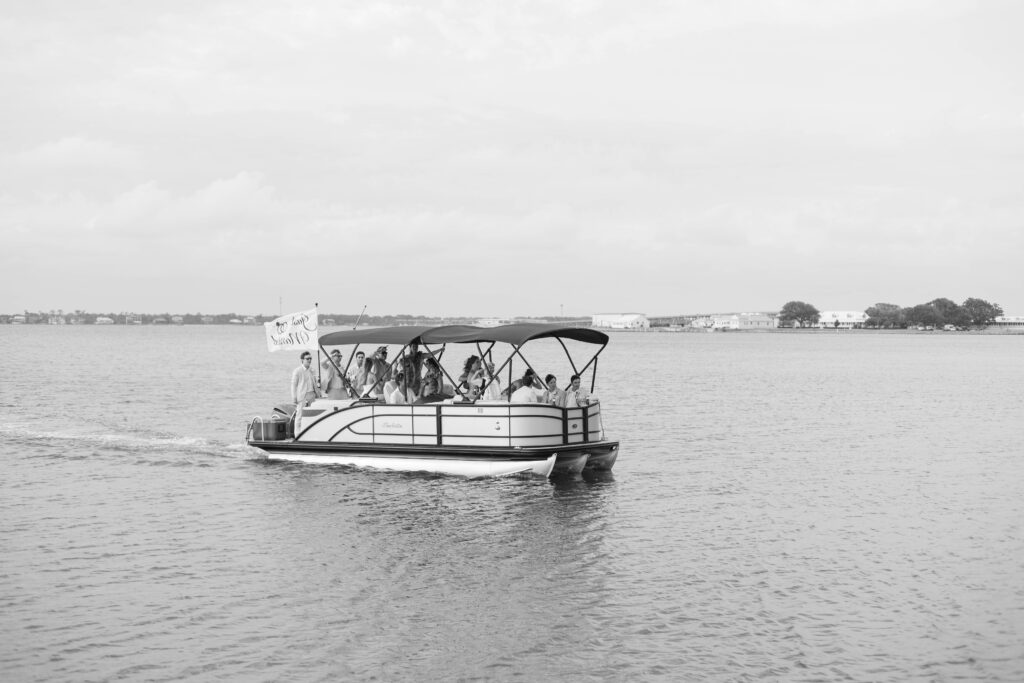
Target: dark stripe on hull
565 451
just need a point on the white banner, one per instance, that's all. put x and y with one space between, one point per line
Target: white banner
292 331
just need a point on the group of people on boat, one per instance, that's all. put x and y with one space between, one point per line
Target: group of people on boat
418 378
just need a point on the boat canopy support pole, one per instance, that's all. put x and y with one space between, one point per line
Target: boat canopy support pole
568 355
437 359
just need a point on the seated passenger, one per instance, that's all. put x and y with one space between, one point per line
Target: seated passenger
556 396
470 372
491 392
400 394
529 391
429 394
370 385
576 395
433 372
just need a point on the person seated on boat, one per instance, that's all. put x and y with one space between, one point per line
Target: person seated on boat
412 366
332 381
555 396
530 389
433 373
371 387
430 393
304 388
492 388
506 394
400 394
401 368
576 395
470 371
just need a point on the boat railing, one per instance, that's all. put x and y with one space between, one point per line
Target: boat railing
451 423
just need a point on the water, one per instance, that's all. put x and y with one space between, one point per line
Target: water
799 507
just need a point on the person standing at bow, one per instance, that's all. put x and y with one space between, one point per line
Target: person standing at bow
304 387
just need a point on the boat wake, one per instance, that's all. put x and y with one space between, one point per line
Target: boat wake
186 451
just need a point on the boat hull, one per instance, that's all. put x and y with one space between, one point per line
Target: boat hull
454 466
466 439
602 457
541 462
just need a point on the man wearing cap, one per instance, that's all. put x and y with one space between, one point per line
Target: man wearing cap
380 363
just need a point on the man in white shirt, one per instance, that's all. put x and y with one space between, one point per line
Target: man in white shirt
354 367
576 395
530 391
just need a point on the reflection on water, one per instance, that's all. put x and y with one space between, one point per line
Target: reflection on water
787 507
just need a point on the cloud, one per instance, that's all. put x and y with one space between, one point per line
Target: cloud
77 153
690 154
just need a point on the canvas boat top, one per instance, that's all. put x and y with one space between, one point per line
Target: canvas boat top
516 334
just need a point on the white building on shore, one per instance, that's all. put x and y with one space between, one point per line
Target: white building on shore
1015 321
843 320
743 321
621 321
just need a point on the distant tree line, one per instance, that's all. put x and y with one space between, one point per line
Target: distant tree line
936 313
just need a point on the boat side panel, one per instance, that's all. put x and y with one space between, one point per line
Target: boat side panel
329 423
536 425
523 425
473 425
393 424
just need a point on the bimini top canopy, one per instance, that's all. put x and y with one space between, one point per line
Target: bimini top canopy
517 335
376 335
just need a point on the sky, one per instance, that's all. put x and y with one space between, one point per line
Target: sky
509 158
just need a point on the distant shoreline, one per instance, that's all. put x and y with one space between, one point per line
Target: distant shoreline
992 329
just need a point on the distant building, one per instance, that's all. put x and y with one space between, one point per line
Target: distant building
621 321
847 320
491 322
1009 321
104 320
743 321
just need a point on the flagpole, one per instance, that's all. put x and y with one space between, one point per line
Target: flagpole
316 307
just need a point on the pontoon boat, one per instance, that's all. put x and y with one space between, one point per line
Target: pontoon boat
460 434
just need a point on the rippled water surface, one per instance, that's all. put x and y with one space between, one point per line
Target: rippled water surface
799 507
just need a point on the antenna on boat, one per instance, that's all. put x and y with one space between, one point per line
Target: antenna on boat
360 317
